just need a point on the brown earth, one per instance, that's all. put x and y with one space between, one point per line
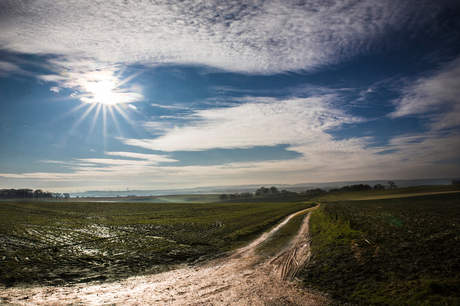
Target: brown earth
239 278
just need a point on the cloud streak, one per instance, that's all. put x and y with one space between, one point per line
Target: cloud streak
435 96
259 122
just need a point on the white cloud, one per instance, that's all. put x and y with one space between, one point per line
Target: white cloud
427 148
12 65
260 122
169 106
246 36
7 68
152 158
436 97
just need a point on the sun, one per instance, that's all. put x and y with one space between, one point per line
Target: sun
103 92
102 88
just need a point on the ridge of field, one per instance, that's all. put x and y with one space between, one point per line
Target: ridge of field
175 198
387 251
56 243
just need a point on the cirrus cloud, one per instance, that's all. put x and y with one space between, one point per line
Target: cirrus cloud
244 36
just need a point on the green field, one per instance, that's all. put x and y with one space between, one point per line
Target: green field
388 193
393 251
67 242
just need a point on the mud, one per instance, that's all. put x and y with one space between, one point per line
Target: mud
239 278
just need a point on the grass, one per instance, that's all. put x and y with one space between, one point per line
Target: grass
52 241
394 251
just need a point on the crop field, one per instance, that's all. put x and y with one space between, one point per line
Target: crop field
57 243
396 251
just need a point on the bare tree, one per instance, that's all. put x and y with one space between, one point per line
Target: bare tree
392 185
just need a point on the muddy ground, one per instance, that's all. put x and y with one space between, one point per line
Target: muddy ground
51 243
239 278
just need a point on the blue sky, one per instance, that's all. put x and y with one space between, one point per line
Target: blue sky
171 94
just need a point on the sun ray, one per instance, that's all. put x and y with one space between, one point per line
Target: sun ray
82 117
104 125
98 109
73 110
115 121
126 117
129 78
93 123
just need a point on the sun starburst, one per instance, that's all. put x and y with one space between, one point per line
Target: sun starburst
102 91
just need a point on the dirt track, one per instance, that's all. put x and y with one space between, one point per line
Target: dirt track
239 278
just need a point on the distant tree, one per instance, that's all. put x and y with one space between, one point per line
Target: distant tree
379 187
392 185
66 196
48 195
38 194
315 191
24 193
273 190
286 193
262 191
223 197
360 187
57 195
233 197
455 182
247 195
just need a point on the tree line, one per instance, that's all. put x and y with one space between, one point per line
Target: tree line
275 192
30 194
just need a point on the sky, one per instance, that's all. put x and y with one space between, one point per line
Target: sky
153 94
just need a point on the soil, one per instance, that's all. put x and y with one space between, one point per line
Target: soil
239 278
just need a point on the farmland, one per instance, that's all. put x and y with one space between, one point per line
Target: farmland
57 243
387 251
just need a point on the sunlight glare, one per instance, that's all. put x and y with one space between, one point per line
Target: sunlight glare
101 87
